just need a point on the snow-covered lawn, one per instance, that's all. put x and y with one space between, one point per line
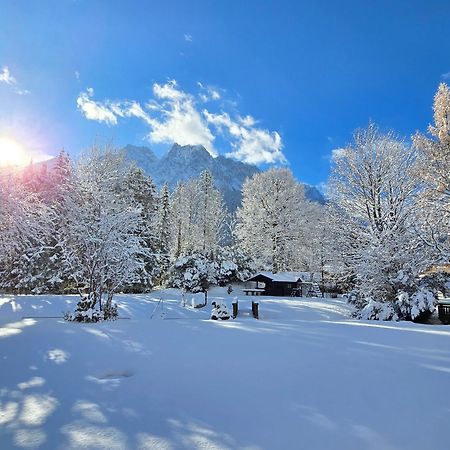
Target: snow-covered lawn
304 376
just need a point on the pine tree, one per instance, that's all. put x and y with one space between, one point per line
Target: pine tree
162 229
142 191
25 232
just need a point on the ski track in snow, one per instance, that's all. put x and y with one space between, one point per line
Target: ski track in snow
304 376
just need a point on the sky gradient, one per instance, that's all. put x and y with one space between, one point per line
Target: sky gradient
267 82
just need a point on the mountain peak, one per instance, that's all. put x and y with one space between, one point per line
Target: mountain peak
144 157
184 162
178 150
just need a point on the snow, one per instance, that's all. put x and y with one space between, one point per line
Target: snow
303 376
289 277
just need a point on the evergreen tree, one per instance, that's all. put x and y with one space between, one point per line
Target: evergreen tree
142 192
162 229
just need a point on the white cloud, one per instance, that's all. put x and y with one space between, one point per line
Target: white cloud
208 93
188 38
179 121
77 75
22 91
173 116
95 110
168 91
250 144
7 77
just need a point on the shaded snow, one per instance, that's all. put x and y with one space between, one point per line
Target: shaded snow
304 376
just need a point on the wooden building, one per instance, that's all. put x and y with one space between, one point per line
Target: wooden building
284 284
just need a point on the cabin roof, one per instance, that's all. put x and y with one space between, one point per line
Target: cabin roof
286 277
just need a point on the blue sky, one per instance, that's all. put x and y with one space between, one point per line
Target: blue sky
264 81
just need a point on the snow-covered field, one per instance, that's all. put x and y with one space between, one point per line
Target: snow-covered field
304 376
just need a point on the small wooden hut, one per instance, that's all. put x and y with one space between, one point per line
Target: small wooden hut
284 284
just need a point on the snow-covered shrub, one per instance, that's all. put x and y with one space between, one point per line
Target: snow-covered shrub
219 311
378 311
109 310
191 273
232 265
88 311
415 299
420 303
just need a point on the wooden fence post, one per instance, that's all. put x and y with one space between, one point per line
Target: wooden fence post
235 309
255 308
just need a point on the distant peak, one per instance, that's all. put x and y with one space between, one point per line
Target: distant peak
178 149
140 154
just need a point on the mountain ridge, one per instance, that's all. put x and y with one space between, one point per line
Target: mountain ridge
182 163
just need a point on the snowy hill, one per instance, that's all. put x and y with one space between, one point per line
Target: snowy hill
182 163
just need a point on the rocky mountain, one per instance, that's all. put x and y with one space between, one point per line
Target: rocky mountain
182 163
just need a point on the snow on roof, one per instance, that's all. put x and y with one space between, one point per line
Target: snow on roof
287 277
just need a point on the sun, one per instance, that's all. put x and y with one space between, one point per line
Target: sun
12 153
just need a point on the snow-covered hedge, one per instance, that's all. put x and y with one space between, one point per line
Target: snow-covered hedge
414 299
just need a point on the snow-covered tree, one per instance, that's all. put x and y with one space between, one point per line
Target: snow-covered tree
25 237
141 190
101 246
435 172
373 190
163 232
163 221
212 213
231 264
197 216
272 219
183 211
192 272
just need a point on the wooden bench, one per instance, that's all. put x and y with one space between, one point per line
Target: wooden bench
253 291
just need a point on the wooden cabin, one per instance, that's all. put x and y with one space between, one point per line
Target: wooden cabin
283 284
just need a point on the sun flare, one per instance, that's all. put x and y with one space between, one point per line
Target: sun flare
12 153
